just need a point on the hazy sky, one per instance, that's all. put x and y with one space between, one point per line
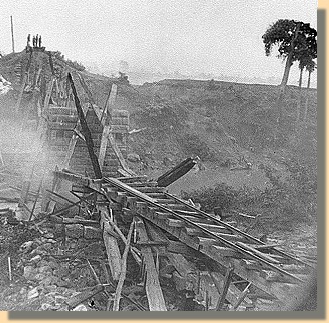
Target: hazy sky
190 36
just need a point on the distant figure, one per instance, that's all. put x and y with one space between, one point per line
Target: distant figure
33 41
36 40
40 41
28 40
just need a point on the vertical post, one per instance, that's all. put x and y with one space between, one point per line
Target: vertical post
86 130
12 33
227 281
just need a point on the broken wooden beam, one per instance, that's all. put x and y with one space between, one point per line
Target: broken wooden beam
122 277
227 282
85 130
111 244
153 287
177 172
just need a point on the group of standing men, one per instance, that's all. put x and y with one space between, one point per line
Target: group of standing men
36 40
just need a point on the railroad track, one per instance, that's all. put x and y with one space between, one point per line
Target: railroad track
271 270
274 274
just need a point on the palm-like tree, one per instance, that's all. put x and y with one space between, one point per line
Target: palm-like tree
294 39
310 67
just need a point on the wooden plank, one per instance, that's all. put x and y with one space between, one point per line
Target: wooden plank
20 95
116 302
102 150
119 154
111 244
86 131
227 281
233 292
48 95
153 287
253 276
85 87
107 131
109 104
107 126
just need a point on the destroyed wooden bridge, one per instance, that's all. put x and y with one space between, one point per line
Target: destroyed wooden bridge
225 267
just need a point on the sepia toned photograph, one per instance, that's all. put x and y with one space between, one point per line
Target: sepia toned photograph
158 156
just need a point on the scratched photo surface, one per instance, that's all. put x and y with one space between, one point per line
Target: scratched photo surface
158 155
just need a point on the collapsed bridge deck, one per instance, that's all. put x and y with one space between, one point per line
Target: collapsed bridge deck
169 234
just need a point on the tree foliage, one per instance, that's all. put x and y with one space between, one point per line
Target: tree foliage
282 34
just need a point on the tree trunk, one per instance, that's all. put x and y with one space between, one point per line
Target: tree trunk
299 102
307 95
286 75
283 86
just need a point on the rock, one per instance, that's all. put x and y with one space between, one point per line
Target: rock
53 264
48 235
46 307
62 271
35 259
52 241
80 307
50 287
23 290
59 299
47 281
29 273
43 263
33 293
40 276
26 246
45 269
133 157
40 250
62 283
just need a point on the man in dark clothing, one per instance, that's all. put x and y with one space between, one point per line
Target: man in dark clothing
40 41
33 41
36 40
28 40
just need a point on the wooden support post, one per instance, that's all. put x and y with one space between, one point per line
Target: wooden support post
119 155
122 278
106 116
102 119
111 244
85 87
36 199
86 131
227 282
24 193
153 288
48 95
241 297
18 103
102 150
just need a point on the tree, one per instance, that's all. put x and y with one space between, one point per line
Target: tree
294 39
310 67
304 62
306 55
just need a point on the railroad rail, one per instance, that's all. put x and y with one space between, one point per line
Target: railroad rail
271 271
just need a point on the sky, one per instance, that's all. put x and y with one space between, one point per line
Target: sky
188 36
